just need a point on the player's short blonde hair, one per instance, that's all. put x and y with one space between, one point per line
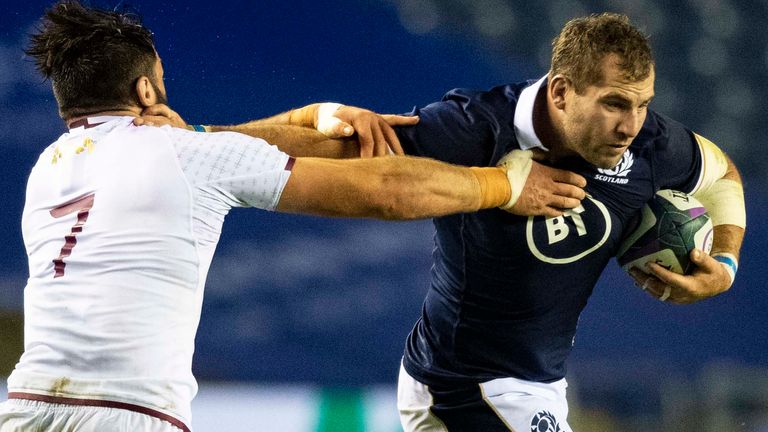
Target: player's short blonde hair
583 42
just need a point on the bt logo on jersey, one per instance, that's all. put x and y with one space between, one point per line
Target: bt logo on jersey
572 236
557 229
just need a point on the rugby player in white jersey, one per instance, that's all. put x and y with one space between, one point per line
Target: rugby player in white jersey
121 222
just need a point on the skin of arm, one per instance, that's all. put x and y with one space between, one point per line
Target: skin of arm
392 188
296 141
305 116
710 277
373 131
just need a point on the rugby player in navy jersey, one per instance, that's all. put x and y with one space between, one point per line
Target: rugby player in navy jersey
489 351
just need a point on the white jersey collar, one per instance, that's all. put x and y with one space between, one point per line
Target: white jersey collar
523 121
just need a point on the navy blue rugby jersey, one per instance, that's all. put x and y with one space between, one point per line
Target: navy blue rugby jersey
507 291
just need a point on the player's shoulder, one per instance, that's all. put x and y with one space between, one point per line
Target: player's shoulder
497 101
660 132
505 93
186 137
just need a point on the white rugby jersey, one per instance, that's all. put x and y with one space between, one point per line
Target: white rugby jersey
120 226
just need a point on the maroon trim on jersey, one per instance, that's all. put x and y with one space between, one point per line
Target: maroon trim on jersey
84 123
100 403
84 203
289 164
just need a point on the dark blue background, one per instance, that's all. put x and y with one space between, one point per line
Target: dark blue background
304 299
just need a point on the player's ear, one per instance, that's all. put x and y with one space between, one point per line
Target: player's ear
145 92
558 87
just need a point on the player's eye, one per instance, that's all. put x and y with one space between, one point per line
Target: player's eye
614 104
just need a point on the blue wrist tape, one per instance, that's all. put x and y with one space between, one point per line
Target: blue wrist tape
730 263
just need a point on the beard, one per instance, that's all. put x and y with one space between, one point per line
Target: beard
162 98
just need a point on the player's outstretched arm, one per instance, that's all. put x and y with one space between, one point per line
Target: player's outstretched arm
404 187
392 188
714 273
295 140
311 131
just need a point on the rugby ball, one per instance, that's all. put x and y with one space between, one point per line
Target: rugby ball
669 226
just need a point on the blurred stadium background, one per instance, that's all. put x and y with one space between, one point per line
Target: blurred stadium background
304 318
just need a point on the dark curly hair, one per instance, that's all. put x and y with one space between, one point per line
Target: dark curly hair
582 44
92 57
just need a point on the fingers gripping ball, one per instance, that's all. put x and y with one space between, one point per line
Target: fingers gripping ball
517 164
670 226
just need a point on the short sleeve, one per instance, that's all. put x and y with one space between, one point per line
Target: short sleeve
237 169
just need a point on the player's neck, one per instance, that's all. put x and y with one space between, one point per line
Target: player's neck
545 127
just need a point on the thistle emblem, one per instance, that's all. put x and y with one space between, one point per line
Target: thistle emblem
623 167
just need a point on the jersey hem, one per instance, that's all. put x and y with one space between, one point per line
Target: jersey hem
100 403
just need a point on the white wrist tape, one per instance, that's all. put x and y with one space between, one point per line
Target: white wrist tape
325 119
517 164
729 262
667 292
724 201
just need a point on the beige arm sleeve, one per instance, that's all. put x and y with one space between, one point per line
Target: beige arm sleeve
719 187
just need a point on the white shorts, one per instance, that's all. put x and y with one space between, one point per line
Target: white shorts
20 415
500 405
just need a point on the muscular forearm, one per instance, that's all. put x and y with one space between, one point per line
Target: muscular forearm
728 239
304 117
296 141
389 188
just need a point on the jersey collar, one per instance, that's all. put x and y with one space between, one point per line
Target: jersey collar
93 121
523 121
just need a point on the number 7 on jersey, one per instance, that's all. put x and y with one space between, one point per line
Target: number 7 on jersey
83 208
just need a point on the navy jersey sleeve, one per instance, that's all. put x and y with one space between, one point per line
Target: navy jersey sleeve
466 127
676 159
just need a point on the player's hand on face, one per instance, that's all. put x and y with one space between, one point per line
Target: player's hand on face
374 131
549 192
160 115
708 279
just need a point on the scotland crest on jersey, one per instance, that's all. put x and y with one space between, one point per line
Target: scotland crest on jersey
545 421
618 173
